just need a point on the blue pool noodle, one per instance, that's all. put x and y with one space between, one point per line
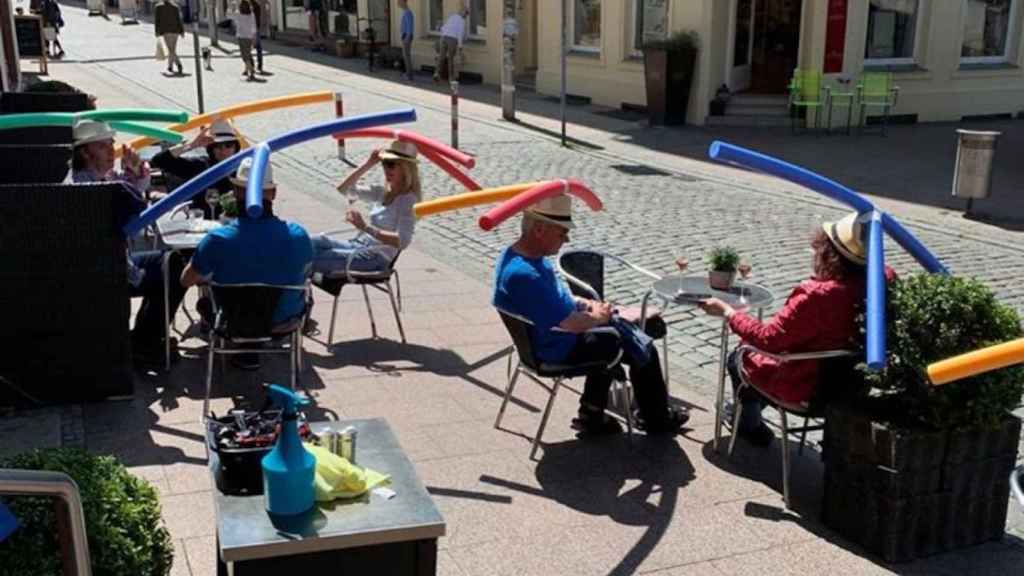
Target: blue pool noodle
254 188
904 238
876 295
226 167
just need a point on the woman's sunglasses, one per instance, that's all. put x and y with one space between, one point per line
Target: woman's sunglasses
388 164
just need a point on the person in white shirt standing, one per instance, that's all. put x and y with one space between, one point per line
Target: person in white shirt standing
453 36
245 33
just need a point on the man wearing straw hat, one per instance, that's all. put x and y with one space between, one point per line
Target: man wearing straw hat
526 284
93 161
265 250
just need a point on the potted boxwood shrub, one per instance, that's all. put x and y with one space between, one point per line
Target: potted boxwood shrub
722 264
668 74
126 534
917 469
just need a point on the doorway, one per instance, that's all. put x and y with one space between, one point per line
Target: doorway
766 45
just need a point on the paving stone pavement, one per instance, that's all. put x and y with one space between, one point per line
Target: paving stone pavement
671 205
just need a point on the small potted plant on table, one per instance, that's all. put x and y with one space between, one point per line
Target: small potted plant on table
723 262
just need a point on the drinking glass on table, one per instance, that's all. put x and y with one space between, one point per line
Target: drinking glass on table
744 270
681 263
213 200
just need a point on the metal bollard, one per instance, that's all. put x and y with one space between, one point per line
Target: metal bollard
972 176
339 112
199 69
455 114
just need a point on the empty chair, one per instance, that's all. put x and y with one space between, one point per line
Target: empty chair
377 279
806 93
875 90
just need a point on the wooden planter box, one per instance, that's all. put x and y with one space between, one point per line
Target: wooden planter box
668 76
904 495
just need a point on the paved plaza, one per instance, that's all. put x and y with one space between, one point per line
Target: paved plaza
663 507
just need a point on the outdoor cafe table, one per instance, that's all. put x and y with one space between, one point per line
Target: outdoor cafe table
367 535
689 290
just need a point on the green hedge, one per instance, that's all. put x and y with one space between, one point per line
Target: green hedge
122 517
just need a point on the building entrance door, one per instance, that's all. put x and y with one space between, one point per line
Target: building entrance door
742 44
776 44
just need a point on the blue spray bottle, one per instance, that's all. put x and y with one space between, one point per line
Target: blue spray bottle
288 471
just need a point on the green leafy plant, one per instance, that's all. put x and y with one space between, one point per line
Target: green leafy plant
723 259
679 41
229 205
932 317
122 517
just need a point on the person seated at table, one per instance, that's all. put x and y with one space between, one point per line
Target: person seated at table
392 220
525 284
221 142
819 314
265 250
93 161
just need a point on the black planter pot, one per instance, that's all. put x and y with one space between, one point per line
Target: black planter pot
904 494
668 76
717 108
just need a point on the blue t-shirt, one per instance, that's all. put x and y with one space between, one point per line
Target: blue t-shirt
529 287
258 250
407 24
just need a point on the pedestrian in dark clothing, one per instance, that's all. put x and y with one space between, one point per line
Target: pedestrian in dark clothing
52 23
220 142
168 25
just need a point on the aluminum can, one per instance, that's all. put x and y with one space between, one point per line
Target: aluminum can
347 443
331 440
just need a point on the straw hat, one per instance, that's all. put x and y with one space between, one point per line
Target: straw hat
847 237
89 131
554 210
241 177
222 131
401 151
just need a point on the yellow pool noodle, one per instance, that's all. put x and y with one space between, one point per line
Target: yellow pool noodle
467 199
241 110
976 362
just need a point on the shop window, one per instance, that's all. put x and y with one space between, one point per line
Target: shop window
586 25
987 29
435 14
649 23
892 31
477 18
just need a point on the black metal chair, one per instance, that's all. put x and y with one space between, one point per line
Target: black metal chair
834 382
243 319
1017 484
379 280
527 363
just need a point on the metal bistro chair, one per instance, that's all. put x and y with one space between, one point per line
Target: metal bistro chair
584 271
528 364
244 317
805 91
835 362
1017 484
875 90
378 280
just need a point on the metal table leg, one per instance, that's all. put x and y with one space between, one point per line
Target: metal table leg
720 399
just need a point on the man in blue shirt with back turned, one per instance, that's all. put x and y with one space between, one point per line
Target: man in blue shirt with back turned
407 31
525 284
264 250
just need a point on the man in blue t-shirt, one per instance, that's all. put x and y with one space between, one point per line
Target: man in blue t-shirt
525 284
264 250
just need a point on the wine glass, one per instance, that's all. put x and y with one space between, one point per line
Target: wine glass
681 263
352 195
744 270
212 200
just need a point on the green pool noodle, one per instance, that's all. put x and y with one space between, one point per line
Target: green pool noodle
150 131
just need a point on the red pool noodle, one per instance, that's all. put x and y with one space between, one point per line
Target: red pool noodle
452 171
520 202
421 142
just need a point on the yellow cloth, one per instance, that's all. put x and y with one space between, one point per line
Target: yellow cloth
336 477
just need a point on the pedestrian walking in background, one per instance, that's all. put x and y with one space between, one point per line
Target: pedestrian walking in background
449 45
245 33
52 23
261 10
407 30
316 30
168 25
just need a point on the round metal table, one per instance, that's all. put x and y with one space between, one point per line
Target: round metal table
689 291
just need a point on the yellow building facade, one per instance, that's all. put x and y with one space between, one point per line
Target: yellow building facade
950 58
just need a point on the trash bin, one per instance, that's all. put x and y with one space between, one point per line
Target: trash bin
972 177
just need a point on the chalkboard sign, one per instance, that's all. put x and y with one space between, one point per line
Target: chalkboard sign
30 36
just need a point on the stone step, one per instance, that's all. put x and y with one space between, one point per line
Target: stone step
737 109
759 99
747 120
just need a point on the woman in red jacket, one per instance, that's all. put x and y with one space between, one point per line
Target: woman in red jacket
820 314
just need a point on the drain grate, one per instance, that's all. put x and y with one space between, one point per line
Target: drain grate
639 170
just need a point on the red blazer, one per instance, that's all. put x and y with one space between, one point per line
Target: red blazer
818 315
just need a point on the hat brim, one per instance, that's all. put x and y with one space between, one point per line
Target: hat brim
390 155
110 135
222 138
566 223
245 184
832 231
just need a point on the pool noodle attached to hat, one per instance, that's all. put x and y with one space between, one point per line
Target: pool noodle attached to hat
473 198
523 200
9 121
224 168
422 142
146 130
977 362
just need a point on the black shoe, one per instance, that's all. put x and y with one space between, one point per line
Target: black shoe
248 361
596 423
760 436
675 419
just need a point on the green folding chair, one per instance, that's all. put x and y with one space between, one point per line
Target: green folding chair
875 90
805 92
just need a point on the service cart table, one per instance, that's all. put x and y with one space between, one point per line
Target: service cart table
367 535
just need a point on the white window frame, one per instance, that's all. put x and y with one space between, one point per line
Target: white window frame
470 33
574 47
918 19
631 33
428 11
1012 37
